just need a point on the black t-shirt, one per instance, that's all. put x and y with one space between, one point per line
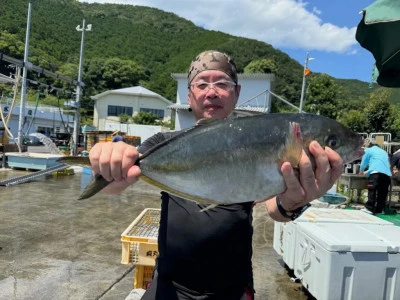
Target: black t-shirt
396 160
203 251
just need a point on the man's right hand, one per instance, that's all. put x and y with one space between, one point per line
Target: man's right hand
115 162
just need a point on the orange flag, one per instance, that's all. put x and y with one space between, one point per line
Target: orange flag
307 72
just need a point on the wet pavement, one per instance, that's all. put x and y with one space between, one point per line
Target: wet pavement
55 247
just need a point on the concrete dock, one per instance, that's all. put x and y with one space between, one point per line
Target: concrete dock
55 247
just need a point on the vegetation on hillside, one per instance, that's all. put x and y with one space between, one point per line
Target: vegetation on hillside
134 45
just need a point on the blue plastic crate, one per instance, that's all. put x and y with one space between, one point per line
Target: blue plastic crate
335 198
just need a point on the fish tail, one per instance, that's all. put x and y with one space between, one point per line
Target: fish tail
95 186
293 145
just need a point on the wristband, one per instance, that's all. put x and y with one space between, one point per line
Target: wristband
294 214
281 209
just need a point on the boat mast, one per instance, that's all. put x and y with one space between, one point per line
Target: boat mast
24 76
79 85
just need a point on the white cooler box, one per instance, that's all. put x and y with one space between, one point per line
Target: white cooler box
348 261
285 233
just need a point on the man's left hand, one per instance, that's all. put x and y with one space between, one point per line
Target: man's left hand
310 184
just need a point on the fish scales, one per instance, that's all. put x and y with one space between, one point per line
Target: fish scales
221 162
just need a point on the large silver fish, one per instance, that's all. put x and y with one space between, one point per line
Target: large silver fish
236 159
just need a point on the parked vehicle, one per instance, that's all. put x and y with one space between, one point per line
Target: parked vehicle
60 138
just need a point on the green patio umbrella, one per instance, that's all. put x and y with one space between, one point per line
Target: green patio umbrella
379 32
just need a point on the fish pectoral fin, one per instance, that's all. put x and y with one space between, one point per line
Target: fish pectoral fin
293 147
211 206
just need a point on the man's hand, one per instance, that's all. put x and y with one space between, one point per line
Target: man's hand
115 162
308 184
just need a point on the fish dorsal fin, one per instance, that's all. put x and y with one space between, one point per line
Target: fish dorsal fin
201 122
211 206
205 121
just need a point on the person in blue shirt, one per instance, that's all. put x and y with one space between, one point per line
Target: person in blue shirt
376 161
116 137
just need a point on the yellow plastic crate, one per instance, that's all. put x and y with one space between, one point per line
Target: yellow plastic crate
143 275
139 240
65 172
132 140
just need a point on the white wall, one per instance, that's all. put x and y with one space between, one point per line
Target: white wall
100 117
184 119
144 131
252 86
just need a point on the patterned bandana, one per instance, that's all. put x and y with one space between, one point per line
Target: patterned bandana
212 60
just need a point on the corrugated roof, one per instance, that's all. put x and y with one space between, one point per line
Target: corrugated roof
136 90
179 106
256 109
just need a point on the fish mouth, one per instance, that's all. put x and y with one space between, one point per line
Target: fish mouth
353 156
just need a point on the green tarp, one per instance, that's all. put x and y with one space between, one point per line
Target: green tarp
88 128
379 32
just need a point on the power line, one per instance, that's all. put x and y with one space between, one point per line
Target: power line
38 69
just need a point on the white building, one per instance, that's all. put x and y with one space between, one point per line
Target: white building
254 97
43 119
110 104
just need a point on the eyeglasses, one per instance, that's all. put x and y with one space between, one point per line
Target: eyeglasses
220 85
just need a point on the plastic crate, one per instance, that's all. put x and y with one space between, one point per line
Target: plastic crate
335 198
65 172
143 275
139 240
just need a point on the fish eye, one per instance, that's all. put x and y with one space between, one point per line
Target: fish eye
332 141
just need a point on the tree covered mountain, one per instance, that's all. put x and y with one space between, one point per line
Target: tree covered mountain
130 45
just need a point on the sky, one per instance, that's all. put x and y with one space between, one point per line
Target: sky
324 29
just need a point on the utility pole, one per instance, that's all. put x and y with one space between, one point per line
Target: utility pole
303 87
24 76
79 88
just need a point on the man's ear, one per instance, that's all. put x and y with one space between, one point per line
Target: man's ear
189 97
237 90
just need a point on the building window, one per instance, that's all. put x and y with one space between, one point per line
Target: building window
157 112
44 130
115 111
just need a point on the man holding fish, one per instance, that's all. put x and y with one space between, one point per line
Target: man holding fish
205 253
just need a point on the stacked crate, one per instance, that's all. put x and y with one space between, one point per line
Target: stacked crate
139 245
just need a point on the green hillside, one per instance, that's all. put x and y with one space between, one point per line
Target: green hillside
356 87
141 45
